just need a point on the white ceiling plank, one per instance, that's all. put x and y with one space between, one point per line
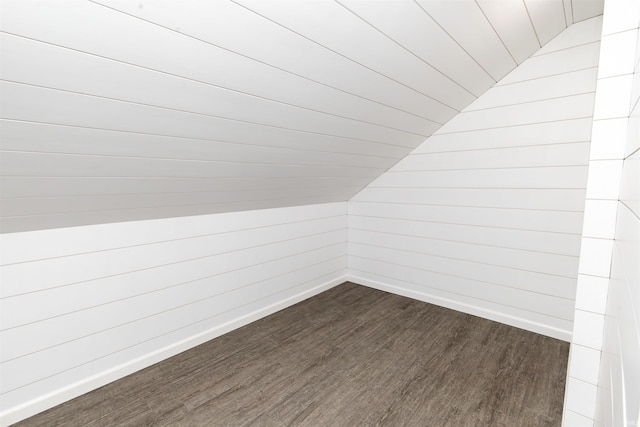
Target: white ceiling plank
46 164
568 12
224 24
466 23
36 137
73 71
147 45
30 103
338 29
61 205
547 17
72 219
117 110
43 187
585 9
511 21
405 23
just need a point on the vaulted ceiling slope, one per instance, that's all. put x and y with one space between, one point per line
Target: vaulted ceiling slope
115 110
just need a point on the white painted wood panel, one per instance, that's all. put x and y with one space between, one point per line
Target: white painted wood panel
493 198
85 305
569 154
35 137
18 207
539 177
145 44
103 113
522 219
225 23
15 163
547 17
466 23
351 37
20 187
538 241
576 82
530 301
73 322
514 27
567 60
539 199
343 85
563 108
585 9
574 130
588 31
559 265
407 25
75 72
415 286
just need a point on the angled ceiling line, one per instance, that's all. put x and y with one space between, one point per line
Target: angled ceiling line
549 75
199 139
261 62
532 25
454 40
173 159
205 115
516 125
407 49
495 31
224 202
182 77
527 102
144 193
347 58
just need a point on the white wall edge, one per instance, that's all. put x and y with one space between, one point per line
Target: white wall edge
50 400
517 322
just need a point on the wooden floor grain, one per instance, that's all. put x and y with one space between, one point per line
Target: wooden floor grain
351 356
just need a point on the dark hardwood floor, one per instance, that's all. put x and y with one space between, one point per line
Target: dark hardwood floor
351 356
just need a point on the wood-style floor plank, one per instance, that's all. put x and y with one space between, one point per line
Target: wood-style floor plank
351 356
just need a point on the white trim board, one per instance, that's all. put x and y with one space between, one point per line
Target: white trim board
518 322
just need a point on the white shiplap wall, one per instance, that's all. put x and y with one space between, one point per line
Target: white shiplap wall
604 368
83 306
485 216
199 107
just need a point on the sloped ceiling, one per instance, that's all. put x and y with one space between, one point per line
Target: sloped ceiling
115 110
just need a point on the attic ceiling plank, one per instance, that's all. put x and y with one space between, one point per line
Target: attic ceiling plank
406 24
35 104
37 137
339 30
16 163
224 24
72 219
547 17
585 9
42 187
511 21
466 23
568 12
72 71
144 44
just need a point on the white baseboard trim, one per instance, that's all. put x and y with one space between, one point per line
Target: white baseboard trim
518 322
28 409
